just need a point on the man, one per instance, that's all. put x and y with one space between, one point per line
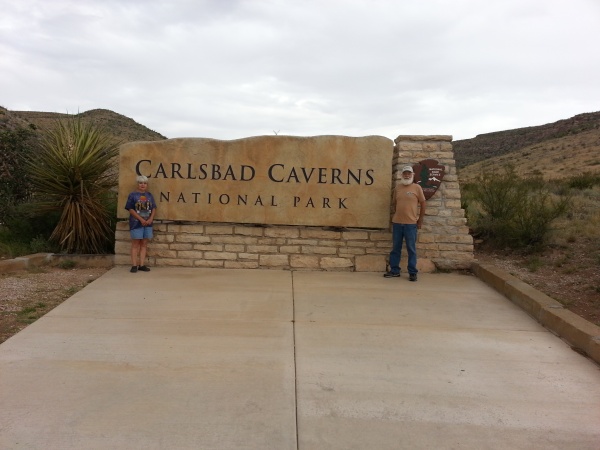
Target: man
408 211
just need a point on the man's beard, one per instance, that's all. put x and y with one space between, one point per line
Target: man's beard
408 181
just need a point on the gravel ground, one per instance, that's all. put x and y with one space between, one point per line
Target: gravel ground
27 295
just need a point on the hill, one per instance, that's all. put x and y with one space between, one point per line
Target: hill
121 127
554 150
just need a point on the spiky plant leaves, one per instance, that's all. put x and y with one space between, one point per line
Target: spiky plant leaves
74 174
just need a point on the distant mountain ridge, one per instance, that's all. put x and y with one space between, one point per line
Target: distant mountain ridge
499 143
563 148
122 128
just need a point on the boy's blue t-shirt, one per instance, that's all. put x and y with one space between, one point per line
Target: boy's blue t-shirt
143 203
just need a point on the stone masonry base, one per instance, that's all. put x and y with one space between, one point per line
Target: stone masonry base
234 246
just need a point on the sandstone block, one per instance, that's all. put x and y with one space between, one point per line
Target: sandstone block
319 250
355 235
179 228
452 203
370 263
335 263
251 256
123 247
261 248
209 247
161 253
122 235
308 242
269 193
215 264
282 232
234 239
220 255
273 260
380 236
363 244
163 237
185 254
319 234
218 229
351 251
241 264
187 246
289 249
304 262
195 238
234 248
326 243
249 231
271 241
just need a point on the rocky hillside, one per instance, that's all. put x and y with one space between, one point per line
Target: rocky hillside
574 141
121 127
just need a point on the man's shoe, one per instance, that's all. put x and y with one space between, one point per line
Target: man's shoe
391 274
133 269
412 277
144 269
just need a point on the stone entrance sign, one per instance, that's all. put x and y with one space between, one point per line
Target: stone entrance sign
333 181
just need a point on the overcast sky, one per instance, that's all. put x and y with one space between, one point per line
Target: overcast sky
228 69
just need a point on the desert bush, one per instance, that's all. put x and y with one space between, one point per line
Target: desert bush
72 175
584 181
15 188
513 212
27 231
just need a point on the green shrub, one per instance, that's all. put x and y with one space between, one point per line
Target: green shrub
15 146
40 244
584 181
513 212
67 264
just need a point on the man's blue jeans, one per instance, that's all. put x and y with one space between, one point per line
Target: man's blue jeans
408 233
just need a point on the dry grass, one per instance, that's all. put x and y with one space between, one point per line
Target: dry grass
552 159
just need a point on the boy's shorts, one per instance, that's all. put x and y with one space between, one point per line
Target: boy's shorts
141 233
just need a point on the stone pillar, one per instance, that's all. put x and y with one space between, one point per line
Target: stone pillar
444 238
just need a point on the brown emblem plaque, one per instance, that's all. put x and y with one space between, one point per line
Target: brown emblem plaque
429 174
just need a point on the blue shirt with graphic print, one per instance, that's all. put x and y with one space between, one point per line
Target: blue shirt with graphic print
143 203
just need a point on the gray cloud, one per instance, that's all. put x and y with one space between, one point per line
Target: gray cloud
229 69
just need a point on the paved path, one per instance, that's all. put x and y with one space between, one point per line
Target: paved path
247 359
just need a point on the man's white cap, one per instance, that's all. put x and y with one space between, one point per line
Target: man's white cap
408 169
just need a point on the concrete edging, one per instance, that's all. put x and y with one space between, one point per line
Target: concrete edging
41 259
582 335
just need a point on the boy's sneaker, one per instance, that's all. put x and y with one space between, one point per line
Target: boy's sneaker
144 269
412 277
133 269
391 274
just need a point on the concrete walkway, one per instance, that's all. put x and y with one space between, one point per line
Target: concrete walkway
247 359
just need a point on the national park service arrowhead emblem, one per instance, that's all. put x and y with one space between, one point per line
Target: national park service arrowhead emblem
429 174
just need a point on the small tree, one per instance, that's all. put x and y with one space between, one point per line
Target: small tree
73 173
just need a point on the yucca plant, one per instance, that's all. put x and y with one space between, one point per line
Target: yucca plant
73 174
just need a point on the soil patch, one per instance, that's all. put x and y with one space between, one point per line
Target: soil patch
28 295
569 274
